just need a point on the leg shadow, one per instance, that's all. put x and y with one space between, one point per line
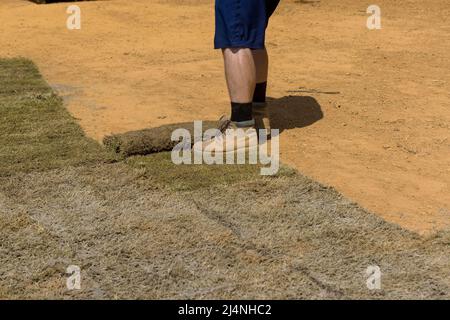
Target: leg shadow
291 112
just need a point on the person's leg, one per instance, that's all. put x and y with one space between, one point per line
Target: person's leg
262 69
240 74
261 59
259 106
240 29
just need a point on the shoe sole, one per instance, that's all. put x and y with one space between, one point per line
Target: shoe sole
247 150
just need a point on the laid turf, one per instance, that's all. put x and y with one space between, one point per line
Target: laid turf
146 228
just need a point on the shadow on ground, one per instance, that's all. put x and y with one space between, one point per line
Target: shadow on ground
291 112
146 228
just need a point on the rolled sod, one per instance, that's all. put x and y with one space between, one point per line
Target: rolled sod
152 140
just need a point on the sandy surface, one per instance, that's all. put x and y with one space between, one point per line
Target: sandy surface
369 112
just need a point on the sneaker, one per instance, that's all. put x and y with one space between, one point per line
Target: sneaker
261 116
230 137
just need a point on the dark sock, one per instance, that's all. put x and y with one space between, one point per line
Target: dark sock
241 111
260 92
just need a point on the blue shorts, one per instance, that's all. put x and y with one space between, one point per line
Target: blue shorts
242 23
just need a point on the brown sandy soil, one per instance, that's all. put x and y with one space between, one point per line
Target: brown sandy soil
369 112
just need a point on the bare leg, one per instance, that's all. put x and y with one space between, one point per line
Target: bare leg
260 109
262 64
240 73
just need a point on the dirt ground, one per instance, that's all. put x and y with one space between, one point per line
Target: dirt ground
364 111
